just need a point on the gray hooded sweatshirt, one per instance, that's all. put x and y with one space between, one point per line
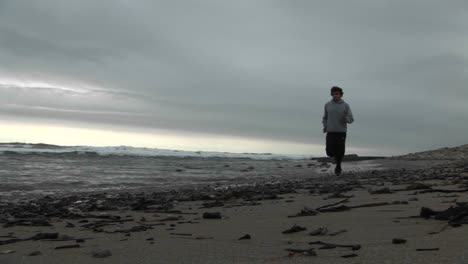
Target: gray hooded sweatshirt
336 116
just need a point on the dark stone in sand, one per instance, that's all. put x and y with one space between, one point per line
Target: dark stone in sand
80 240
212 215
150 239
399 241
35 253
69 225
40 236
247 236
294 229
102 253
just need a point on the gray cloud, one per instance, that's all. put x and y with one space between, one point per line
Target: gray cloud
258 69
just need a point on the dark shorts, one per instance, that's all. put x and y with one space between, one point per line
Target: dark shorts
335 146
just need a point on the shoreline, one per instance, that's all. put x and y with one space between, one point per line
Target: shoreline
172 226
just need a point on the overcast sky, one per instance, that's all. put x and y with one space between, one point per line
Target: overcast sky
248 76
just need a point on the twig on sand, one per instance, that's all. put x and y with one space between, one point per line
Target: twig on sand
342 208
181 234
333 204
427 249
332 245
440 230
13 240
68 246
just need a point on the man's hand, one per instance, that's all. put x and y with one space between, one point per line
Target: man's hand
324 130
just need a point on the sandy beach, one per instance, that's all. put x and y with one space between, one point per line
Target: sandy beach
353 218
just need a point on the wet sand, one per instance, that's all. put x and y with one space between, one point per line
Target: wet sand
175 231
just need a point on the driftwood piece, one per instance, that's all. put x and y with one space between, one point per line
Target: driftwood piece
333 204
68 246
354 247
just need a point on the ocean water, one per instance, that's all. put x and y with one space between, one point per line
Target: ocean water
27 169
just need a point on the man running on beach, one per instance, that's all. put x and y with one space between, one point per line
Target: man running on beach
336 116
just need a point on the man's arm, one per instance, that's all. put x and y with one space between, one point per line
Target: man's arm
324 119
349 115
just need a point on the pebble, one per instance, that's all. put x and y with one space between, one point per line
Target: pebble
102 253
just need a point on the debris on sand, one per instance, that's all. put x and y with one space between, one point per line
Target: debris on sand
319 231
246 236
455 215
305 212
305 252
398 241
68 246
102 253
212 215
353 247
294 229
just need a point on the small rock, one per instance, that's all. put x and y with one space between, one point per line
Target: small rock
6 251
69 225
212 215
102 253
398 241
35 253
247 236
